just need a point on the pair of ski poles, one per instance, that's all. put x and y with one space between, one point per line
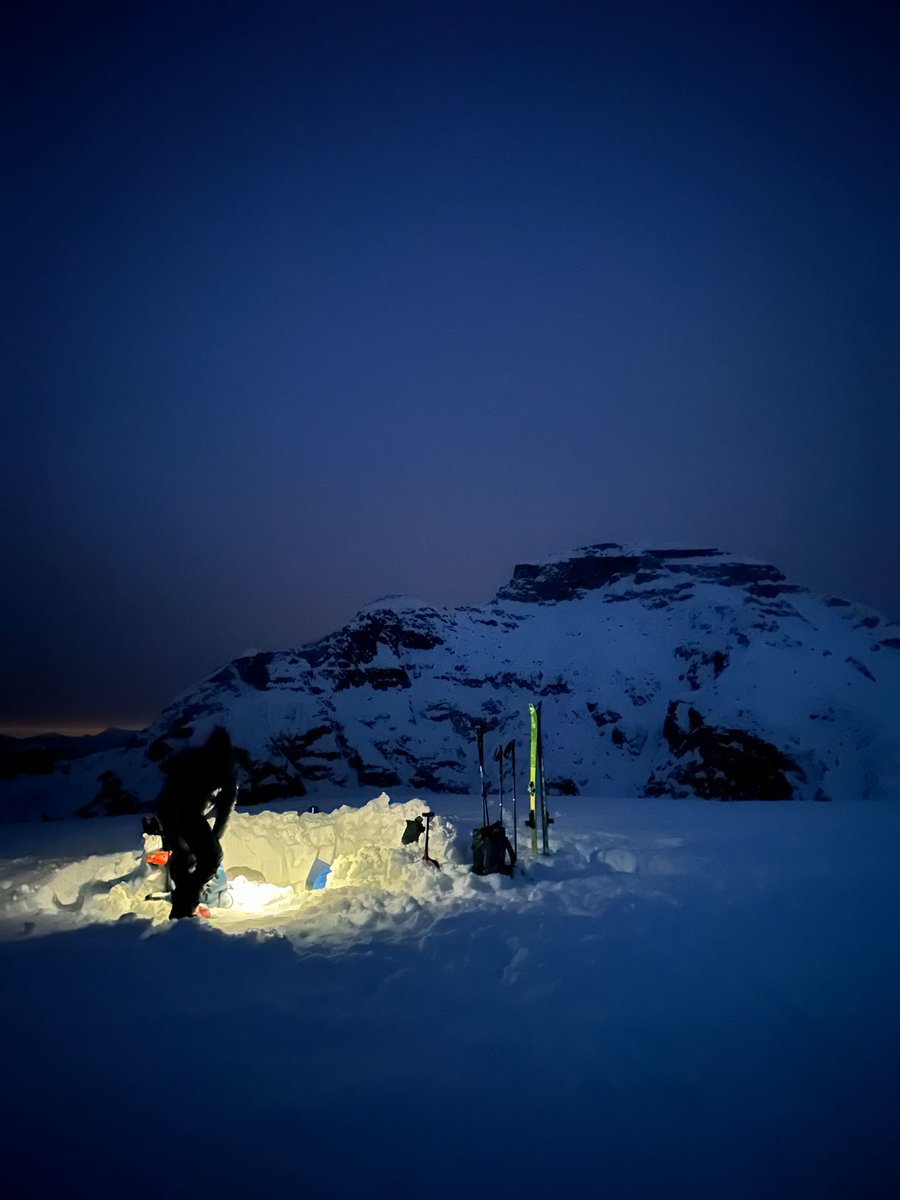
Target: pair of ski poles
502 752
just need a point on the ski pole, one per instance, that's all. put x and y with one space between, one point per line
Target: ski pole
484 806
498 758
510 753
533 776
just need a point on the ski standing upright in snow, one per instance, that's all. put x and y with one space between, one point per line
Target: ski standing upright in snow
537 793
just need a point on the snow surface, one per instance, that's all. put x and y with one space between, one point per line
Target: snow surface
685 999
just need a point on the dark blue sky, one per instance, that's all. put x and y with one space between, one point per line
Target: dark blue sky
316 301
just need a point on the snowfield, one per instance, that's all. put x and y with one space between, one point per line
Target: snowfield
685 999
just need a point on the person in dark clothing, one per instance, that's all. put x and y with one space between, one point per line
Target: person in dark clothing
200 783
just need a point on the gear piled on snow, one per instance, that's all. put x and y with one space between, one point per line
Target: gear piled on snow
214 894
155 861
491 848
492 852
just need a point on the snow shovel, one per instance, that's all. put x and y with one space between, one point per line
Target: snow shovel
426 857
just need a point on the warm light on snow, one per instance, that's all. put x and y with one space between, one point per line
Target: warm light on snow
373 878
376 886
253 899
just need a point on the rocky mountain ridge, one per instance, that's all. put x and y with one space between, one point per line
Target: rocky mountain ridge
661 672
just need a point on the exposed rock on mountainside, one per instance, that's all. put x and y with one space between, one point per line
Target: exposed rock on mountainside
720 764
661 672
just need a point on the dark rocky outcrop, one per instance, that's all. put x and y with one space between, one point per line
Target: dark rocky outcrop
382 679
112 800
450 777
608 563
362 641
254 670
700 664
562 787
720 764
263 780
552 583
603 717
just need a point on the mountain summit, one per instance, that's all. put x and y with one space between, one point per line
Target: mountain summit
663 672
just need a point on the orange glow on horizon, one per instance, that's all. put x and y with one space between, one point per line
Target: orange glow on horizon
68 728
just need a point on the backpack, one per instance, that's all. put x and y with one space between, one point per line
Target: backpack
215 893
490 850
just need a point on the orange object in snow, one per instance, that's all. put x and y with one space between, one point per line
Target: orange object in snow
159 858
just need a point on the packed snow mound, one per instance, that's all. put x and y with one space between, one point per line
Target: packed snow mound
363 846
375 888
332 876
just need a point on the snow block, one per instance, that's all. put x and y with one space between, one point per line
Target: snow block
362 847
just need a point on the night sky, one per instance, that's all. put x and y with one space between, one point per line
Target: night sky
312 302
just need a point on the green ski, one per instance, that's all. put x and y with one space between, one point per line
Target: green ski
546 819
537 793
532 779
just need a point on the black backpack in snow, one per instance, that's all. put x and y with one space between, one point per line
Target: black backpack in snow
492 851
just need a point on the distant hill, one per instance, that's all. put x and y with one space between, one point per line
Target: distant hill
40 754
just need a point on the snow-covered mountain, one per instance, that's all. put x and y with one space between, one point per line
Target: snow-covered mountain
661 672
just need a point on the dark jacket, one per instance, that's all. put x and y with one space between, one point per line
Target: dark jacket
199 782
